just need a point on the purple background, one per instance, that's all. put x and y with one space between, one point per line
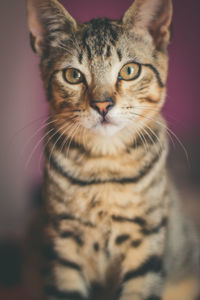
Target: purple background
23 100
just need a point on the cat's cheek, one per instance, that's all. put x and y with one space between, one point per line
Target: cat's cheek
117 117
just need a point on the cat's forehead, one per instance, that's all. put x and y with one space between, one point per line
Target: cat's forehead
107 40
99 35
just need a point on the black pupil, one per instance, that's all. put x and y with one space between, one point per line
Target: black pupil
130 70
76 75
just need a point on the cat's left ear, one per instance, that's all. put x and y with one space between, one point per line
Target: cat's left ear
154 16
46 19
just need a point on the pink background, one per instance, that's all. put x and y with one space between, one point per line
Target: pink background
23 101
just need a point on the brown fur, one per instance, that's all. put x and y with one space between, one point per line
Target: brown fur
109 209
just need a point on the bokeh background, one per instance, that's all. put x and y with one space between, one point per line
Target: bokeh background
23 110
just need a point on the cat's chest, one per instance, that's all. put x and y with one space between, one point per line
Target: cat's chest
98 203
104 205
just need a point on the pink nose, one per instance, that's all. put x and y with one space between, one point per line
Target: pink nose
102 107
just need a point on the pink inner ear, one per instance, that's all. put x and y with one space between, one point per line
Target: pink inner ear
34 25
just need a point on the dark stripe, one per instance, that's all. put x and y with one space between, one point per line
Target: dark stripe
152 264
153 298
64 104
50 254
49 89
156 229
65 95
150 100
83 182
113 33
156 73
153 208
63 217
108 52
89 52
119 53
68 264
57 198
85 44
80 58
71 295
73 235
96 247
122 238
136 243
56 30
136 220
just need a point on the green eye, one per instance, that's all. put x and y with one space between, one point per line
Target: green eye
73 76
130 71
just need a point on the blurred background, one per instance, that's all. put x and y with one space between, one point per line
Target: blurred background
23 110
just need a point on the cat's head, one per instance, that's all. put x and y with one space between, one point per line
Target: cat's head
103 77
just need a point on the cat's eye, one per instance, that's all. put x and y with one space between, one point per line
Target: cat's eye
130 71
73 76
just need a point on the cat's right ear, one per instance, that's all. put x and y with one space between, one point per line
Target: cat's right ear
153 17
47 19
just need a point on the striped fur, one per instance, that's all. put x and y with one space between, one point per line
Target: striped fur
111 219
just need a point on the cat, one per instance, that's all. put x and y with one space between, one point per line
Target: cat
111 223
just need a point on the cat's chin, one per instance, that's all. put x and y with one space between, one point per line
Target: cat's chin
106 129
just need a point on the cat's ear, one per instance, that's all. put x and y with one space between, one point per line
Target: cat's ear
154 16
46 19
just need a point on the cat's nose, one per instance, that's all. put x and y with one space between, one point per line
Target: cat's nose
102 107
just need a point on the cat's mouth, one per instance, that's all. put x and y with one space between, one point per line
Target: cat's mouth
104 122
106 127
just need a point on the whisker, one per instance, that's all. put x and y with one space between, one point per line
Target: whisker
35 147
145 141
170 133
45 145
153 142
172 141
36 132
156 136
162 125
142 138
169 116
75 131
52 149
71 128
17 132
67 137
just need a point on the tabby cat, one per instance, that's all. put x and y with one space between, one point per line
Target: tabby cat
111 225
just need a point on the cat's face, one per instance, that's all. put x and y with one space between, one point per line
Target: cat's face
103 76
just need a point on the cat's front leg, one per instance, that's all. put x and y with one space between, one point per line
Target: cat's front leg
147 288
143 276
64 278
